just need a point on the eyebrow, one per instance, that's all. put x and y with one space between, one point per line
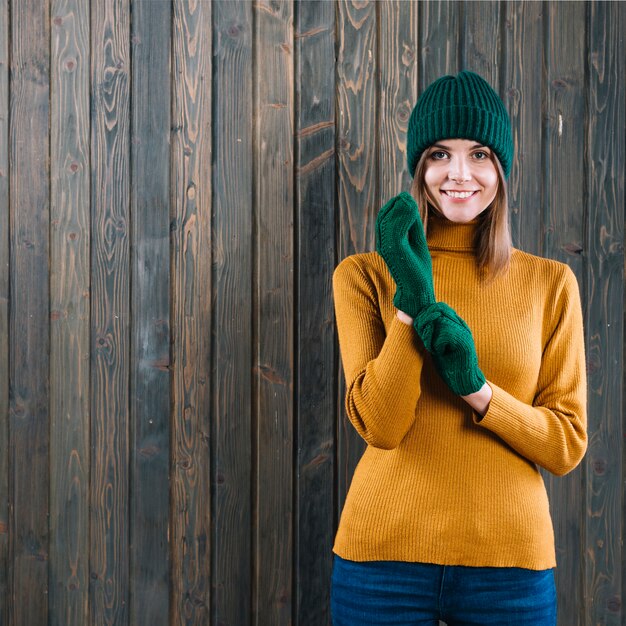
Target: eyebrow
440 145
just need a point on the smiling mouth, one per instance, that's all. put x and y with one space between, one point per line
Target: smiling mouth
458 194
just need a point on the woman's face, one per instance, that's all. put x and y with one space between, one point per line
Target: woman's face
461 178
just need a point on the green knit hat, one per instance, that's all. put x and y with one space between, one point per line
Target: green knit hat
460 107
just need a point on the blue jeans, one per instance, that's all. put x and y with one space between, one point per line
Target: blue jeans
407 594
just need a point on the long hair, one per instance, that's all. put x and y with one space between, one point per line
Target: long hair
493 237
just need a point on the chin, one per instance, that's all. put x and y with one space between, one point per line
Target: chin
459 218
457 213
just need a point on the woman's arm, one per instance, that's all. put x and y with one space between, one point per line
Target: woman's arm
382 369
552 431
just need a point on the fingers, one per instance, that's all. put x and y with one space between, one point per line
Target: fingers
396 217
442 330
450 318
417 237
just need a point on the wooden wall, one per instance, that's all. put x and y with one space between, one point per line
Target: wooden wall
177 182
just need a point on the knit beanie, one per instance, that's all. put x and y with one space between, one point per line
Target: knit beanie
460 107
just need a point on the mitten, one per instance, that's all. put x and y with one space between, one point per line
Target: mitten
400 240
449 340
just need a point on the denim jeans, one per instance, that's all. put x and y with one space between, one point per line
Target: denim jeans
407 594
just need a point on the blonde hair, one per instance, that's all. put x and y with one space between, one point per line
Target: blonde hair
493 238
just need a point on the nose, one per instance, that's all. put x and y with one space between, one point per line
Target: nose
460 170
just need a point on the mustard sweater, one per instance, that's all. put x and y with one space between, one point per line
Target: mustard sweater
436 483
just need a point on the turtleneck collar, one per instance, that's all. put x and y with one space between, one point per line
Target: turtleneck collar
446 235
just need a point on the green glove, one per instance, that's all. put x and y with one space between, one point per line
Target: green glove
401 242
448 338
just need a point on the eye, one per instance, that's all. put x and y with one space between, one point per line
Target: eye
438 155
480 155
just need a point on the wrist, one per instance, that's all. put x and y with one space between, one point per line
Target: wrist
479 400
404 318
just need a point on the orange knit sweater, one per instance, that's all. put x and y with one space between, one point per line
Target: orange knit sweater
437 483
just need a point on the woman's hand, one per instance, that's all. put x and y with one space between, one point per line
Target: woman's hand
480 399
400 240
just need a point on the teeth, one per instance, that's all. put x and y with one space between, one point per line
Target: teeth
459 194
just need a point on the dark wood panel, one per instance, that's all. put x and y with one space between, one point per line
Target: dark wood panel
564 218
69 316
232 311
110 272
315 341
481 31
150 299
190 521
604 314
4 311
273 314
357 174
522 85
439 24
357 97
29 339
398 40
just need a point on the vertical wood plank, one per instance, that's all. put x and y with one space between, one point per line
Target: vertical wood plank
29 339
357 175
4 312
69 326
191 314
398 85
481 30
273 315
564 217
150 337
522 87
232 311
358 129
110 271
439 33
315 341
604 328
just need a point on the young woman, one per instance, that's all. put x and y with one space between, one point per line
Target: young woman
465 371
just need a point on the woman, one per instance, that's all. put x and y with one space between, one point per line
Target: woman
447 515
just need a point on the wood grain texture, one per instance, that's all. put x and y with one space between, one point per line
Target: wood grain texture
564 218
69 315
233 207
110 315
523 82
29 338
357 96
315 342
357 173
4 311
150 306
273 317
604 314
439 40
398 93
191 188
481 51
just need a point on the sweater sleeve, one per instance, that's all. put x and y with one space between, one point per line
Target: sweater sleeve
382 370
551 432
